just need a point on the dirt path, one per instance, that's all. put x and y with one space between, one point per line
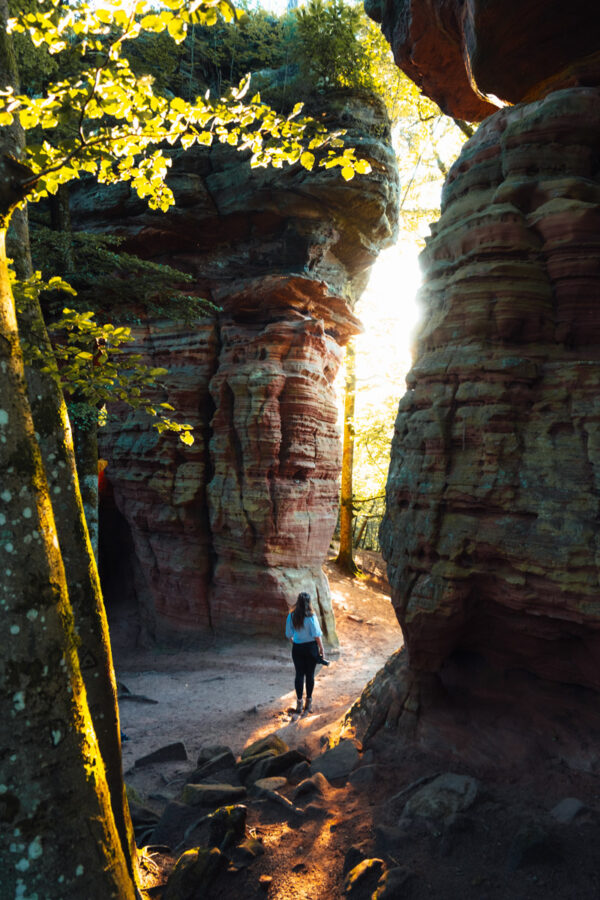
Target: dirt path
234 692
508 846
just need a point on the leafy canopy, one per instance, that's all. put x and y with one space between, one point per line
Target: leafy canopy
107 121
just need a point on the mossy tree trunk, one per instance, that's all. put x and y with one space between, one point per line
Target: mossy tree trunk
55 806
55 442
61 783
345 557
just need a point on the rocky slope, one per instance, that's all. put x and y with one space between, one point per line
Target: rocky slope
493 495
225 534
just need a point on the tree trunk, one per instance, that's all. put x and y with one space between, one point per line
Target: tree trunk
361 531
53 439
345 559
54 799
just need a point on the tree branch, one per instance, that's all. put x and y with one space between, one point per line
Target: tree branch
467 129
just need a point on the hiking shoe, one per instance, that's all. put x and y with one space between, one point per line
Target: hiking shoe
299 706
308 706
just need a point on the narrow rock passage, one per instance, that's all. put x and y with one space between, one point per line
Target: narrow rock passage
235 691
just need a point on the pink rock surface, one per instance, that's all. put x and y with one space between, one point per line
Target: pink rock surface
493 495
226 533
275 453
159 488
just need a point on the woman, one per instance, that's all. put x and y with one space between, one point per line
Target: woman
303 629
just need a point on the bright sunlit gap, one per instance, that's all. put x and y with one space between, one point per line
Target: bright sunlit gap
390 314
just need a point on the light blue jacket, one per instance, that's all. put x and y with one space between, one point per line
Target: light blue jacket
309 631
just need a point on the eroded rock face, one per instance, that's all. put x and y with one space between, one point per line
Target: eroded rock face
227 532
493 495
276 457
159 487
469 54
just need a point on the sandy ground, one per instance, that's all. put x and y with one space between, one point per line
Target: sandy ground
233 692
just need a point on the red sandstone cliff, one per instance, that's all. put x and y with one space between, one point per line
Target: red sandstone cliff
493 497
226 533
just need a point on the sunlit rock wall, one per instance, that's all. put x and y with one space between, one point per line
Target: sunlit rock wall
491 532
229 531
493 495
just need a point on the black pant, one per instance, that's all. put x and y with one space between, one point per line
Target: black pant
305 658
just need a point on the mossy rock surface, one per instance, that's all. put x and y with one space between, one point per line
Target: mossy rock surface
363 878
193 873
270 742
212 794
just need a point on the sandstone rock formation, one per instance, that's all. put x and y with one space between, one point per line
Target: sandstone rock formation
493 497
226 533
472 55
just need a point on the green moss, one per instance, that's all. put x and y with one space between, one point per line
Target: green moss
23 461
46 417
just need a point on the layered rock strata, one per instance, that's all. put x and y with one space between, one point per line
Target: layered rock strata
493 497
493 494
227 533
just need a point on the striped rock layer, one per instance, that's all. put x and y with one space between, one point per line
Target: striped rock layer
222 536
491 533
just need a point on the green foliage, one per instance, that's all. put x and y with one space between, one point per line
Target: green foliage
106 121
102 276
222 56
35 64
92 361
328 43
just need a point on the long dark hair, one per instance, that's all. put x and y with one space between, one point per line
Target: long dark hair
301 610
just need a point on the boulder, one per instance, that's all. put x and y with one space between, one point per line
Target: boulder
316 784
176 819
245 767
269 784
210 752
445 796
271 742
224 761
169 753
193 874
393 884
337 762
354 855
227 826
275 765
363 878
211 794
363 777
299 772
